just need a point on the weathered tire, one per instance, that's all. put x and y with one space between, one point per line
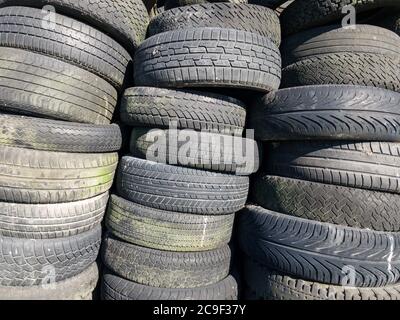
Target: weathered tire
68 40
34 84
208 57
198 150
155 107
34 177
251 18
179 189
61 136
320 252
79 287
171 4
268 3
327 113
346 206
365 165
28 262
116 288
266 284
166 230
125 21
50 221
166 269
305 14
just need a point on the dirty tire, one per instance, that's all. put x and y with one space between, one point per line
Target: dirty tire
319 252
165 269
273 4
25 262
208 57
125 21
305 14
204 150
365 165
38 85
327 112
50 221
171 4
251 18
79 287
180 189
346 206
60 136
155 107
41 177
266 284
165 230
69 40
116 288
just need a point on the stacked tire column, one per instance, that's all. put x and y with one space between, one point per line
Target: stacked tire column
327 221
171 222
59 86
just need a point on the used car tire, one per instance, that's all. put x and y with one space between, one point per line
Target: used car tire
170 4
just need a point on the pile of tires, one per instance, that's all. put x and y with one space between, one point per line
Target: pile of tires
171 221
324 218
61 69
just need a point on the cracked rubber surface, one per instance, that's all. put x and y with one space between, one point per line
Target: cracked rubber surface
171 4
167 230
180 189
165 269
320 252
208 57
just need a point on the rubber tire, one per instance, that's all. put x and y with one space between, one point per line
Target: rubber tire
59 136
155 107
245 17
125 21
165 230
41 177
28 262
51 221
228 58
204 150
273 4
327 112
165 269
38 85
346 206
306 14
266 284
68 40
319 252
171 4
116 288
365 165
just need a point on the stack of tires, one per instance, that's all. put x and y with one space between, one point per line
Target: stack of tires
326 224
60 74
171 222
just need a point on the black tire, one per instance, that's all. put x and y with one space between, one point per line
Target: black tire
198 150
179 189
320 252
68 40
116 288
125 21
60 136
171 4
165 230
155 107
266 284
166 269
208 57
50 221
268 3
251 18
327 113
34 84
305 14
79 287
27 262
365 165
41 177
346 206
